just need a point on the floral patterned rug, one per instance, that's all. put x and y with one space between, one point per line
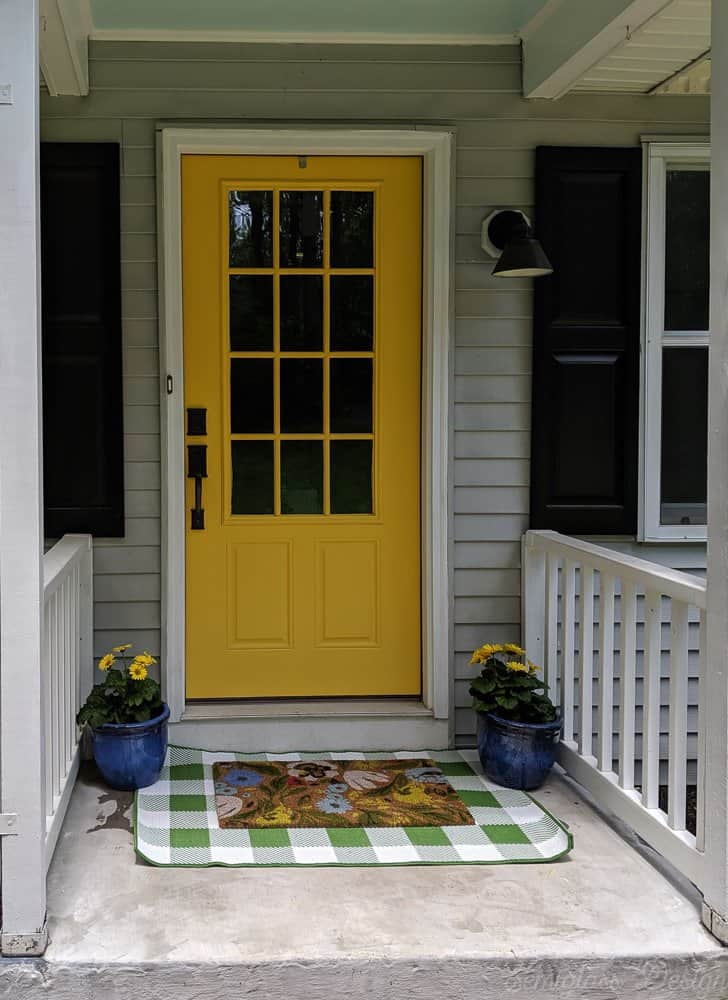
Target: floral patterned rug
335 793
176 822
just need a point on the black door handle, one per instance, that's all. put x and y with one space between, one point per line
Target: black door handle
197 470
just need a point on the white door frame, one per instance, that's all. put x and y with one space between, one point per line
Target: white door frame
435 148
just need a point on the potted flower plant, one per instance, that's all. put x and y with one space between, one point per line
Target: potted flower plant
127 719
518 725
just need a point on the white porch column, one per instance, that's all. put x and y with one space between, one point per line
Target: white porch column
715 666
21 595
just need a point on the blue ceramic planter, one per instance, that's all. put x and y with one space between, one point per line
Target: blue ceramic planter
130 755
517 754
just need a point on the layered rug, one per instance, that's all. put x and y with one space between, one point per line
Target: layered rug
408 808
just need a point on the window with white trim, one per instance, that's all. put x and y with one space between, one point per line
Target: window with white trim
675 371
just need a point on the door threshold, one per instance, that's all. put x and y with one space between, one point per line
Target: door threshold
324 708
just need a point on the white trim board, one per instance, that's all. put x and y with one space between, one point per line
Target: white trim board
297 37
435 148
658 155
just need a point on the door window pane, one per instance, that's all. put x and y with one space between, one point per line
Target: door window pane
251 312
352 312
687 250
251 396
302 477
352 228
251 228
302 321
351 477
302 405
252 463
302 229
683 480
351 396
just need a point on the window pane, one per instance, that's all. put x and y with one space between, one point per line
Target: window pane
684 435
351 396
252 477
302 229
351 477
687 250
352 228
302 322
251 396
302 407
302 477
251 228
352 313
251 312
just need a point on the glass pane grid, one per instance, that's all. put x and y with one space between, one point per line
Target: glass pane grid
316 470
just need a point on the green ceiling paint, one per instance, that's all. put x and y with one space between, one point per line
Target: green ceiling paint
448 17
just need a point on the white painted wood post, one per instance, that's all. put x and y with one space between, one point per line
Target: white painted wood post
533 600
715 661
21 501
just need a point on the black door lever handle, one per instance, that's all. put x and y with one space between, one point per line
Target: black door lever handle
197 470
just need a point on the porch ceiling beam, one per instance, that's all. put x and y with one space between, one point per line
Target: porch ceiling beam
568 37
65 26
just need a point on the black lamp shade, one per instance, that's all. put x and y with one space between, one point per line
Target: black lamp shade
523 257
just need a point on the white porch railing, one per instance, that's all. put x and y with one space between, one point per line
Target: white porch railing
611 631
67 669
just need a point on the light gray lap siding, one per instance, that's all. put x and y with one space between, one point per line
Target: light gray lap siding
476 91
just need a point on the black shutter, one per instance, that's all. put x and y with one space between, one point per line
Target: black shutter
82 376
586 341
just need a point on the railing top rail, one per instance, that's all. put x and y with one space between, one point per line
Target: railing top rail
670 582
59 559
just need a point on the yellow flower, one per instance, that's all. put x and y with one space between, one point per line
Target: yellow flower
146 658
532 667
121 649
516 665
137 671
485 652
511 647
106 661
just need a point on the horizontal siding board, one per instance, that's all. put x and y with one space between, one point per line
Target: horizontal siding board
356 102
496 555
132 587
471 89
227 75
503 444
495 499
142 447
247 52
471 388
491 472
143 503
127 614
493 361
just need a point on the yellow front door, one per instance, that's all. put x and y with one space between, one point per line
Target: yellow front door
302 338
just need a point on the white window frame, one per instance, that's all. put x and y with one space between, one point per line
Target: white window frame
659 156
436 150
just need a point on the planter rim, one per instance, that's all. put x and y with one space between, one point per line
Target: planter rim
134 727
555 724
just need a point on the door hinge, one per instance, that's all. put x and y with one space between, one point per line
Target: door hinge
170 385
8 824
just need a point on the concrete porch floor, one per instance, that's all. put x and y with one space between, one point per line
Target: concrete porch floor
603 923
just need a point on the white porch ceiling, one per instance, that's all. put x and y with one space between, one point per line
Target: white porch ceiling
671 46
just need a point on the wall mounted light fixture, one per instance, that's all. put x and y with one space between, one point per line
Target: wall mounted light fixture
507 235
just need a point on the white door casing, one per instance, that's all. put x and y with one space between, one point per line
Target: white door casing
435 148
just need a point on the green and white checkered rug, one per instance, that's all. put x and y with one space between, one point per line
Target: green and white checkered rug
176 822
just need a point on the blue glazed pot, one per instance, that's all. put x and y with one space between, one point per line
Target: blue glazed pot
130 755
517 754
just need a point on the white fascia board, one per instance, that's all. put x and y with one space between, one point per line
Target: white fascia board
65 26
576 35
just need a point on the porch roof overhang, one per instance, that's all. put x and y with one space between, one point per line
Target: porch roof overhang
632 46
